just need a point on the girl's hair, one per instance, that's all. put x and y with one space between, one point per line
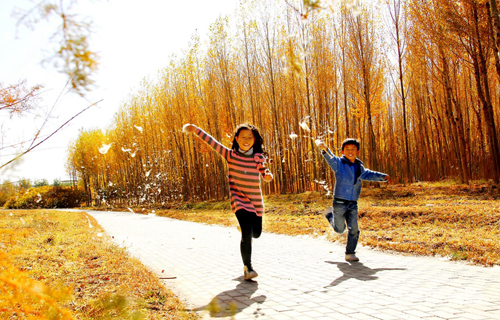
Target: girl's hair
257 145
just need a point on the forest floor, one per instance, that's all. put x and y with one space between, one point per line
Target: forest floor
460 222
55 263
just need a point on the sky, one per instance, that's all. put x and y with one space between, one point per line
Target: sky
134 40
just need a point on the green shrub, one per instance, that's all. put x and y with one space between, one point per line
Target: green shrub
63 197
25 183
45 197
40 183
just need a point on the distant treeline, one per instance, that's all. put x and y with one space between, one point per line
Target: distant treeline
416 81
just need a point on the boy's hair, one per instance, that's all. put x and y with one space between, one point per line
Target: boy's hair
350 141
258 145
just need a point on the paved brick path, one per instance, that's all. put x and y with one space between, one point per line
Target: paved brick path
301 278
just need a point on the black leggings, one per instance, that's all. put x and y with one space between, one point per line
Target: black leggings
251 227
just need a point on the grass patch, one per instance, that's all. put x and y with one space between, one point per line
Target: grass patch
61 265
461 222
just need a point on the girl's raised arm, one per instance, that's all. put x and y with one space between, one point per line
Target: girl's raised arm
208 139
189 128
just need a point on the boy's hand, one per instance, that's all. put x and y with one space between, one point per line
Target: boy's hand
320 144
387 178
189 128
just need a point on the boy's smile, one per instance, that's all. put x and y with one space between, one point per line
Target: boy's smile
350 151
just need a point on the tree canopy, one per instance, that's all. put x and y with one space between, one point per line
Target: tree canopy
415 81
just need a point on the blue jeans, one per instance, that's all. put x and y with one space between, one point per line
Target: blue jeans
346 212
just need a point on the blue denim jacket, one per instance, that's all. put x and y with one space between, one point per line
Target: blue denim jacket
345 185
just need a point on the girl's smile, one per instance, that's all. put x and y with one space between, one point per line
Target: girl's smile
245 139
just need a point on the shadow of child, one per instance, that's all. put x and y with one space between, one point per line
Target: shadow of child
356 270
230 302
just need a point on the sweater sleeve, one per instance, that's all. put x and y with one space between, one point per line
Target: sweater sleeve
216 145
371 175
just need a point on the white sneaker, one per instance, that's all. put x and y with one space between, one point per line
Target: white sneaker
351 257
249 274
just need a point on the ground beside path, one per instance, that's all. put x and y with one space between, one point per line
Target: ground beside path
300 278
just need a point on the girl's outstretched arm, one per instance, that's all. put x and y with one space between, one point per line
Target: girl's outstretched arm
189 128
208 139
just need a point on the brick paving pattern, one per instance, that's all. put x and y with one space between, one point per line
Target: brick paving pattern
300 278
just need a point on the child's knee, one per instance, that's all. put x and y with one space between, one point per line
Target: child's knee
246 238
339 230
354 231
256 231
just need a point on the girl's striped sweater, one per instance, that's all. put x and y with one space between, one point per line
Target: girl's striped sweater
244 176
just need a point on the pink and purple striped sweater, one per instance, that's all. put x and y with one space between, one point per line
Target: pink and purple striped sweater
244 176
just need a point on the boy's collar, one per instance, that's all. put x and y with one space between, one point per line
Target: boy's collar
345 160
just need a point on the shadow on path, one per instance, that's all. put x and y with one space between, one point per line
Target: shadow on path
230 302
356 270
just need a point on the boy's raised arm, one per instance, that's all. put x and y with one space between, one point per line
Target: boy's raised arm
321 144
323 147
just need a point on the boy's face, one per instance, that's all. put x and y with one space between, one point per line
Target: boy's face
350 151
245 139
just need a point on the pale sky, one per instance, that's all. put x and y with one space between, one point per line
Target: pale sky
134 40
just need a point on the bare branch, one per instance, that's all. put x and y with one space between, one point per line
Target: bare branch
31 147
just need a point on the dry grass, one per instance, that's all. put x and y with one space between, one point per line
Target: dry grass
54 265
459 222
57 265
445 219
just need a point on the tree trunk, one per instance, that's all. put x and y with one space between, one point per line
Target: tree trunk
485 98
494 24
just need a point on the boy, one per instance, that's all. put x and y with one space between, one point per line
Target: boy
349 171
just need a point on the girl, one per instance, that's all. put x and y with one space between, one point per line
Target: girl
247 162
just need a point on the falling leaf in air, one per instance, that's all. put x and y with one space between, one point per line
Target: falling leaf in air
105 147
304 125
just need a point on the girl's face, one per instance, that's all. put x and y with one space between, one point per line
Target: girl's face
245 139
